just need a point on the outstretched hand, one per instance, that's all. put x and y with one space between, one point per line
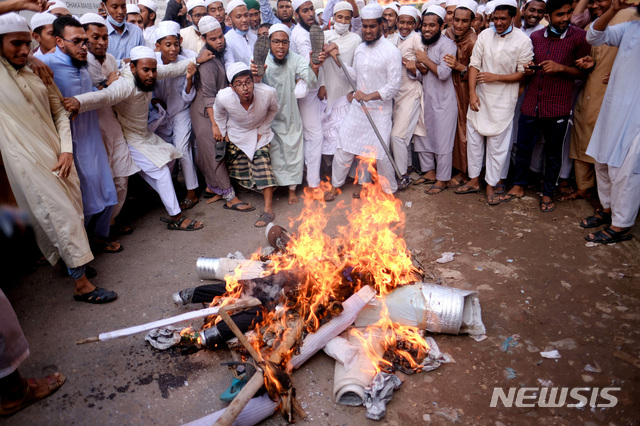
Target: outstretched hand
204 56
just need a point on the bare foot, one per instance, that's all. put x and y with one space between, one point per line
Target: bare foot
214 199
293 198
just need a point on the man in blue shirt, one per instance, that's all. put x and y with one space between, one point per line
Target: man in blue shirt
123 36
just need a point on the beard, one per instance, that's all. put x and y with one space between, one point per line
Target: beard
78 63
305 26
216 52
430 41
143 87
369 43
282 61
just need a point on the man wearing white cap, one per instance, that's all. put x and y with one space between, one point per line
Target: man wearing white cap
216 8
390 13
133 16
244 113
130 96
451 7
39 159
495 71
440 105
283 67
42 26
284 13
532 13
356 22
191 38
148 10
240 41
408 117
103 69
123 36
333 86
59 8
463 35
377 70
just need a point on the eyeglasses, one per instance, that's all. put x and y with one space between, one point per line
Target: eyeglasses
280 42
80 42
244 85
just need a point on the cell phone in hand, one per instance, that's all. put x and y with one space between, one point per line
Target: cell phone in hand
535 67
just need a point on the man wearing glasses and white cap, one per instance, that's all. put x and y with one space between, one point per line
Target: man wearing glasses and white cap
191 37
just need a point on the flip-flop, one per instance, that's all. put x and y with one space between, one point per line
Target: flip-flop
188 203
206 194
609 236
547 209
237 205
424 181
502 190
266 218
466 190
52 381
97 296
260 53
106 247
509 197
440 189
233 390
456 185
175 225
493 201
317 42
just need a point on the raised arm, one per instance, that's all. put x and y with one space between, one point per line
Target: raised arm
267 14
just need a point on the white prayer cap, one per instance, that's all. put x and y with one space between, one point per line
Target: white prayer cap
195 3
511 3
426 6
490 7
481 8
13 23
297 3
235 69
391 6
435 9
163 32
360 3
173 26
41 19
208 2
207 24
92 18
149 4
371 11
319 11
342 5
233 4
409 10
452 3
132 8
468 4
529 1
279 27
142 52
57 4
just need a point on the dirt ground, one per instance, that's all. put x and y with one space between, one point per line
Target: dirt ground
535 276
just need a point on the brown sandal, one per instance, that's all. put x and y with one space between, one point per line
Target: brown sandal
53 382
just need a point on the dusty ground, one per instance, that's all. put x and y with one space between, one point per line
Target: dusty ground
535 277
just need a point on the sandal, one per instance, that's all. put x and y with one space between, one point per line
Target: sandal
53 382
458 183
260 53
176 225
500 188
266 218
207 194
424 181
599 218
106 246
237 208
317 43
464 189
330 196
188 203
97 296
575 195
546 204
508 197
494 201
609 236
120 229
432 187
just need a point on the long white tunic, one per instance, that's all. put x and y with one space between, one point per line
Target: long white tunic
34 130
132 108
239 47
243 126
498 55
122 165
376 67
332 77
149 35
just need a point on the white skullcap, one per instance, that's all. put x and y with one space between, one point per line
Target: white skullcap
142 52
163 32
208 2
489 7
481 8
511 3
279 27
468 4
529 1
132 8
426 6
391 6
92 18
41 19
149 4
409 10
207 24
342 5
319 11
173 26
195 3
452 3
233 4
297 3
371 11
13 23
57 4
397 3
438 10
235 69
360 3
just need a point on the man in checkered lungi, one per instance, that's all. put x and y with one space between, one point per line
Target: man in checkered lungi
244 112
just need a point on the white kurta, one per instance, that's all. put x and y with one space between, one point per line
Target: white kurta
122 165
498 55
239 47
34 131
332 76
149 35
243 126
376 68
191 39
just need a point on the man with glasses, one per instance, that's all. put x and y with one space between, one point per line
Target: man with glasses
243 113
191 37
69 66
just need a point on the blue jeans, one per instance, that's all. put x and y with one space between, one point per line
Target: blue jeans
76 273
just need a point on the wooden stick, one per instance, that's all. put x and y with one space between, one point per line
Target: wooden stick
240 335
168 321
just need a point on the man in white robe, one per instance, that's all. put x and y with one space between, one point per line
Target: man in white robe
240 40
148 9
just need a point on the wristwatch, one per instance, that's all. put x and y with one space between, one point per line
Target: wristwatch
463 73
